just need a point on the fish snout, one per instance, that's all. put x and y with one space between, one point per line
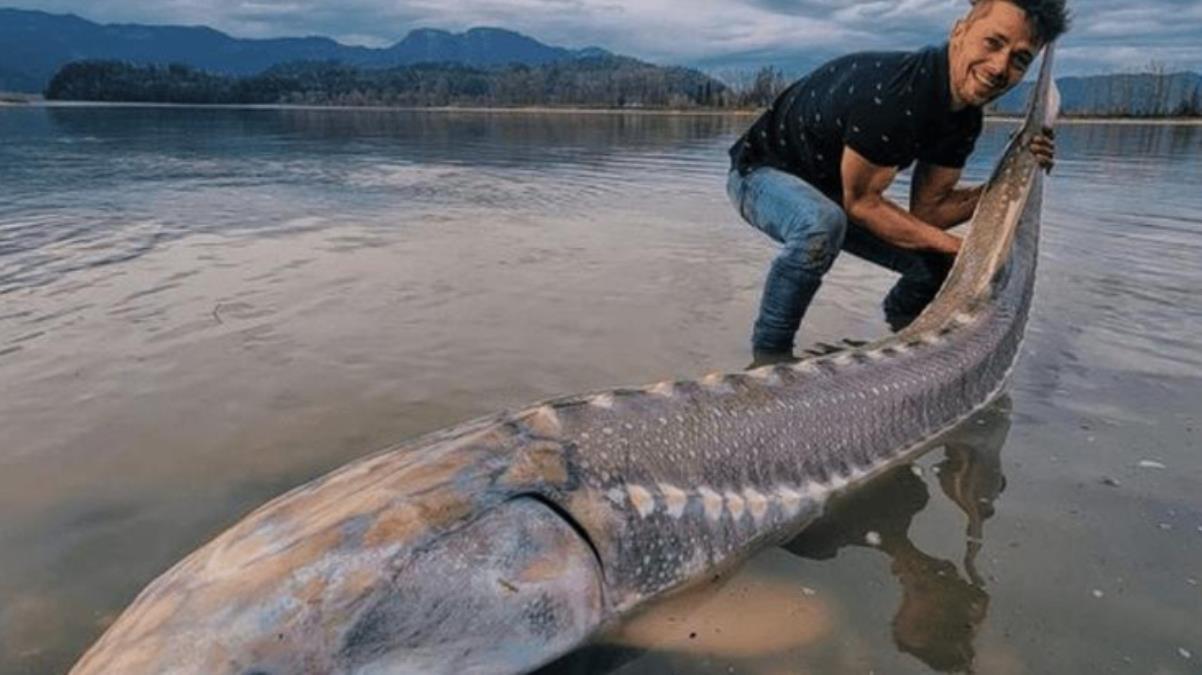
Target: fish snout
505 592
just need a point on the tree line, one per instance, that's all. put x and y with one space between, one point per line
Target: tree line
603 81
607 81
1154 92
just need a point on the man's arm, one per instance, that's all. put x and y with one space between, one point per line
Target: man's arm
864 185
935 199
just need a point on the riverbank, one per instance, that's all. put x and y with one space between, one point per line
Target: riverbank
10 98
539 110
1174 121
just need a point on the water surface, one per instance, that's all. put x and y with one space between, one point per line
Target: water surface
201 308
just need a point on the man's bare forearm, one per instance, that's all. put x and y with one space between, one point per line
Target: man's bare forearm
954 207
900 227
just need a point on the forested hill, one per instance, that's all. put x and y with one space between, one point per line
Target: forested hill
601 81
34 45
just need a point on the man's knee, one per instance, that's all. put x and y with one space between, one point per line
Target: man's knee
820 241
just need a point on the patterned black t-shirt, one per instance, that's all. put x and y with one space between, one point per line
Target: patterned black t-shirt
891 107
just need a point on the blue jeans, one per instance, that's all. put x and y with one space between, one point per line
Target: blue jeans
812 230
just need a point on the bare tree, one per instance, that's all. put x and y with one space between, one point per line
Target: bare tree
1160 87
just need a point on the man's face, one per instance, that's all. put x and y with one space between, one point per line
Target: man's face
990 51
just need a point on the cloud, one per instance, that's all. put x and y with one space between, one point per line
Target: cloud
1108 34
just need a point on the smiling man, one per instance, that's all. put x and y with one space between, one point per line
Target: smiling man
812 171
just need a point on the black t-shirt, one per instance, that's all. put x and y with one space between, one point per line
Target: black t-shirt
891 107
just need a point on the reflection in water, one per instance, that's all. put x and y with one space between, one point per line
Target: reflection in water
90 187
971 475
940 610
475 139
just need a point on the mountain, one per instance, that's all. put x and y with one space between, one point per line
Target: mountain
1135 94
34 45
477 47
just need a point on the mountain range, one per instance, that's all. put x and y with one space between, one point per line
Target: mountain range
34 45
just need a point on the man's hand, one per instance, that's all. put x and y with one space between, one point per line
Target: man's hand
1043 146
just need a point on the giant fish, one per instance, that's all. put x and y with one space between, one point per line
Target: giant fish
502 543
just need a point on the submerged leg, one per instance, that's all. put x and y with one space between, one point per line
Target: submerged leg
810 228
922 274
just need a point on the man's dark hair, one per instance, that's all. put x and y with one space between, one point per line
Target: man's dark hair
1049 17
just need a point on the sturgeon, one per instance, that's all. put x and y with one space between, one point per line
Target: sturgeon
498 545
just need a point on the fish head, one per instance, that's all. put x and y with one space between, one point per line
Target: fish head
506 591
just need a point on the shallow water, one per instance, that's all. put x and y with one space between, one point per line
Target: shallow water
201 308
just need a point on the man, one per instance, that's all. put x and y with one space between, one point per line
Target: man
812 171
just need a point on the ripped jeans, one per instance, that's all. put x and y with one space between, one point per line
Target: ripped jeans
812 230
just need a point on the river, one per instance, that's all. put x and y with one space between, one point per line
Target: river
200 308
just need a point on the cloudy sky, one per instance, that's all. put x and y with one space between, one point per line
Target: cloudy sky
1108 35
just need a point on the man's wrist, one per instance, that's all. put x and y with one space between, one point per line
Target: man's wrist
947 244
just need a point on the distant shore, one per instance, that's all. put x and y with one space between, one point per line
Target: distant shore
13 98
31 100
1174 121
